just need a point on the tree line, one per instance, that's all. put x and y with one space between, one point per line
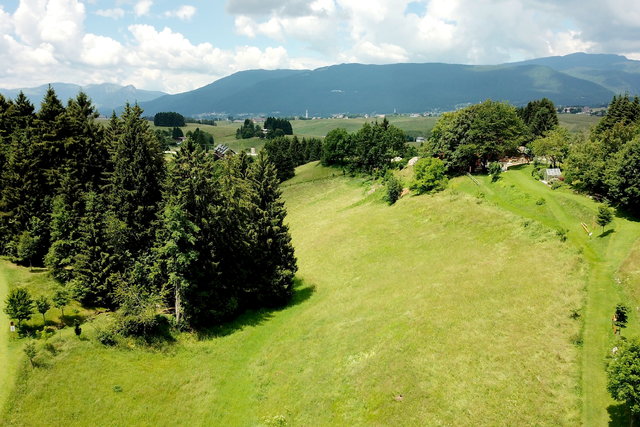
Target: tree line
273 128
120 227
289 153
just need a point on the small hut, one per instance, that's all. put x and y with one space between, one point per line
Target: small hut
552 173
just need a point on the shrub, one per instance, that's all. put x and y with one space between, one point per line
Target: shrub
106 337
495 169
541 201
394 188
429 175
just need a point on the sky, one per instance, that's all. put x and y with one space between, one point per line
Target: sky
179 46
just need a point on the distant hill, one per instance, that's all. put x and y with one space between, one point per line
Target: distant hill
358 88
614 72
107 97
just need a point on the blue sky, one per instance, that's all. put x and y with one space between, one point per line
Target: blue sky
178 46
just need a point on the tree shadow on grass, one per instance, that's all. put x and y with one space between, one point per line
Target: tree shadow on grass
619 415
301 293
626 214
606 233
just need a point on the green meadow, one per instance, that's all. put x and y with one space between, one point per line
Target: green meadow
464 307
225 132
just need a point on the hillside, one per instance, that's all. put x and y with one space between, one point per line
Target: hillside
614 72
426 311
358 88
106 97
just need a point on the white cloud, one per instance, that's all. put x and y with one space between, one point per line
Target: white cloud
46 40
184 12
142 7
99 51
115 13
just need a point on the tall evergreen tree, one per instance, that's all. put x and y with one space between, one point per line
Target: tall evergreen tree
186 251
274 262
135 184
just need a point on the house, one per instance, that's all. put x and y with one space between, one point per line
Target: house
420 139
552 173
222 151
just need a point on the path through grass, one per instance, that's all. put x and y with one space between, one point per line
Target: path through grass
604 253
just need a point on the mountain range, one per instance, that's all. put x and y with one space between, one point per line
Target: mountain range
106 97
577 79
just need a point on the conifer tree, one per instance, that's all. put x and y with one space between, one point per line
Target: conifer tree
135 184
96 258
273 255
185 250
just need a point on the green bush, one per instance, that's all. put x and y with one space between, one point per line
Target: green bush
429 175
394 188
106 337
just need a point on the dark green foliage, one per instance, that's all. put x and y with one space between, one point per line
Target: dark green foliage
623 373
336 147
369 150
208 238
623 177
495 169
135 185
621 315
429 175
540 116
176 133
249 130
19 305
42 306
101 251
605 216
278 151
185 249
469 138
164 138
277 127
168 119
621 110
274 262
394 188
201 138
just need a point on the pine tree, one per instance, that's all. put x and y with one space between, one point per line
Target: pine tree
97 258
273 255
25 192
185 251
135 185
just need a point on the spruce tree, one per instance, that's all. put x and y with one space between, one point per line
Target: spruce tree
185 250
135 184
100 234
273 255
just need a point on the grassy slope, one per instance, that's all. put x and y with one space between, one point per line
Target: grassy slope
7 348
431 299
603 253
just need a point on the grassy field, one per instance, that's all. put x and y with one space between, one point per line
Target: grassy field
442 309
578 122
609 257
225 132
